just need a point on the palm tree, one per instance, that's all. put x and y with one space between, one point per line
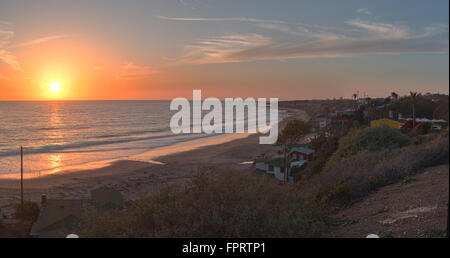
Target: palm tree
355 97
413 97
394 96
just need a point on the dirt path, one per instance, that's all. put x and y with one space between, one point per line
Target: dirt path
415 207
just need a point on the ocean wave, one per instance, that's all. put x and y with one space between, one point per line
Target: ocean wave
130 133
82 144
72 127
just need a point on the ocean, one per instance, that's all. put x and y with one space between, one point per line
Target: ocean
56 135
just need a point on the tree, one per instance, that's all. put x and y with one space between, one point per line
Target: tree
358 116
355 98
371 109
292 133
425 106
441 111
413 98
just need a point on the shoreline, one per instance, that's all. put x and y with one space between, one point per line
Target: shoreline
147 156
136 179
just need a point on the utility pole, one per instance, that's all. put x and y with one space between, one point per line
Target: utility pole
21 177
285 165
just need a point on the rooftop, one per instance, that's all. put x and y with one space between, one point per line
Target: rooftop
305 150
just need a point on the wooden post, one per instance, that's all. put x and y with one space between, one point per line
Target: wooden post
21 177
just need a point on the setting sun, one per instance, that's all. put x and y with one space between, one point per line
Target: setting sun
54 87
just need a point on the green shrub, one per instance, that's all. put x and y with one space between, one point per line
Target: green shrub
339 192
423 128
421 139
361 174
293 131
233 204
324 147
369 139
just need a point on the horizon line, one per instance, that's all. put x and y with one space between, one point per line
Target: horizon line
60 100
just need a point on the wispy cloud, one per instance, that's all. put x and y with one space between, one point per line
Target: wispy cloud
221 49
40 40
374 38
131 71
256 21
234 19
6 36
365 11
356 38
382 29
8 58
299 31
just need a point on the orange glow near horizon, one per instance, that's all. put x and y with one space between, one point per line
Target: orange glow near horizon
64 70
80 69
76 69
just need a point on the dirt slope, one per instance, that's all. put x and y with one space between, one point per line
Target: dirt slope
415 207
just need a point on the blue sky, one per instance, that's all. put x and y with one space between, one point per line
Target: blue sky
287 49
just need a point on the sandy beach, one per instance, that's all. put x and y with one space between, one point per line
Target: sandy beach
136 179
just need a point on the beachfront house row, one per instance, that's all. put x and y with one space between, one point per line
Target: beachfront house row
363 101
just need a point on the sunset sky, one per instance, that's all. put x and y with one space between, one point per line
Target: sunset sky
107 49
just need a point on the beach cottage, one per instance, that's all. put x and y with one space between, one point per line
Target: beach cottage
60 217
276 167
300 153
